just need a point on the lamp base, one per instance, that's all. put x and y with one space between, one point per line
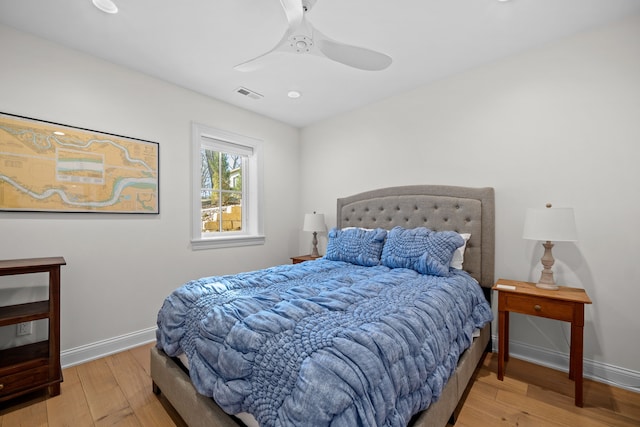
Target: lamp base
548 286
314 251
546 278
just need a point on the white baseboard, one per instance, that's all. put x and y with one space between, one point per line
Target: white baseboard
594 370
96 350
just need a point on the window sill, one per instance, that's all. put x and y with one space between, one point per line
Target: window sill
227 242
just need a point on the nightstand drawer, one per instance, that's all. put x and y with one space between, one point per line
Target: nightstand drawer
542 307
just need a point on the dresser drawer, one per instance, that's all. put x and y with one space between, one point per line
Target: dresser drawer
23 380
536 306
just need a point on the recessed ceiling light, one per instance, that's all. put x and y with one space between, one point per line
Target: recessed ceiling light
106 6
293 94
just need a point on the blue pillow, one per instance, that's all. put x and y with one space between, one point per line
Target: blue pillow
356 245
421 249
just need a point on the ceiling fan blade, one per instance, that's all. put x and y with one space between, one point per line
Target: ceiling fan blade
256 63
260 61
294 11
353 56
295 16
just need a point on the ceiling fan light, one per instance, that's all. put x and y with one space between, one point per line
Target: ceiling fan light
107 6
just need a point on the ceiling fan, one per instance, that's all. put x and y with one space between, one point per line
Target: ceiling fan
301 37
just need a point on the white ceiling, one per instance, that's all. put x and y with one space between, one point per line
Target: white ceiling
196 43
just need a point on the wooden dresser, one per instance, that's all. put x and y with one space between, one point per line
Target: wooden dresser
34 366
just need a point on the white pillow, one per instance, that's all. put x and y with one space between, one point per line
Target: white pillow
458 255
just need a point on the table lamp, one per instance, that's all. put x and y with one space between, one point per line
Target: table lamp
314 222
546 225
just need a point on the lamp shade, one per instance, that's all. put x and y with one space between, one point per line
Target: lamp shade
550 224
314 222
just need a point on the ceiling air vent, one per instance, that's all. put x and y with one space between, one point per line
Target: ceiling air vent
246 92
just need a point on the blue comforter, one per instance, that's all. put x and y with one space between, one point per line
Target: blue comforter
324 342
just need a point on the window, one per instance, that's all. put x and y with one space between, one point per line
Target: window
226 189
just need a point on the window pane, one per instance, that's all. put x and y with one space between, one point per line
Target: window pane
231 171
210 207
210 169
231 213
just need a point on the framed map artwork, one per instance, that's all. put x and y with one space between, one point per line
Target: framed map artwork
50 167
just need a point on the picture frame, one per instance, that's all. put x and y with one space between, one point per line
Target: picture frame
53 167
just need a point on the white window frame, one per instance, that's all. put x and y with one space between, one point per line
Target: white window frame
252 229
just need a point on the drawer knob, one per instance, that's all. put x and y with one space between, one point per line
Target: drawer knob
1 386
537 307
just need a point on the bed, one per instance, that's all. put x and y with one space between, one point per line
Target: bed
397 209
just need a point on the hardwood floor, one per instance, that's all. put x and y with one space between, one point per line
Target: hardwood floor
116 391
532 395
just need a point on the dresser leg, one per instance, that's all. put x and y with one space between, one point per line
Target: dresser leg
54 390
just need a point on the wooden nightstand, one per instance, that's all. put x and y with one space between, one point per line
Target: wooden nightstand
566 304
303 258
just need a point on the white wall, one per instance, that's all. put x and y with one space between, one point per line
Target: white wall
557 124
120 267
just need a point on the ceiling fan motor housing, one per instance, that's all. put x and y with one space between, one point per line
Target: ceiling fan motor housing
301 44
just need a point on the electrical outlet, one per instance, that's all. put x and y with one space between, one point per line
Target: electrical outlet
23 328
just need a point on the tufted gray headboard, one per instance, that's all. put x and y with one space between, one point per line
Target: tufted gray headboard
437 207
